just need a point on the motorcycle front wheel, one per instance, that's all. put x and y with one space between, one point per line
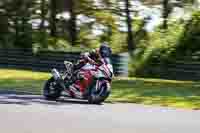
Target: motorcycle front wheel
51 90
100 95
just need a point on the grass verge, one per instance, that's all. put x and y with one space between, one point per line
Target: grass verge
179 94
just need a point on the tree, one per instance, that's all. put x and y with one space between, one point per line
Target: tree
53 11
166 11
130 40
42 38
72 22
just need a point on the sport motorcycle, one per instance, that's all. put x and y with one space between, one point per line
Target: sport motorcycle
91 82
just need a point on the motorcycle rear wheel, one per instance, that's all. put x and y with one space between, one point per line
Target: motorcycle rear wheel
51 90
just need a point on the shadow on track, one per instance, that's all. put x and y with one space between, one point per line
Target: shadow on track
21 98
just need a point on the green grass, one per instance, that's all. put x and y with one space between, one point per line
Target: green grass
157 92
179 94
22 80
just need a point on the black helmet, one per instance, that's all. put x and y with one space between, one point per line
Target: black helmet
105 50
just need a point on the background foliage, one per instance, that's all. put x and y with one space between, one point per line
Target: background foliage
69 25
181 39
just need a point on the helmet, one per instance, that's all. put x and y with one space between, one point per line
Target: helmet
105 51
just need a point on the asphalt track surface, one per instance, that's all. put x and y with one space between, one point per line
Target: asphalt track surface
22 113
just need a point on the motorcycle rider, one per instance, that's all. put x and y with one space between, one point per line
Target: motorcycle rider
96 57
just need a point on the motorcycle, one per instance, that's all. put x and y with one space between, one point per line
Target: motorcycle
91 82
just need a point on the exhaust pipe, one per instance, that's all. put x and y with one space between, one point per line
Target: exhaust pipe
56 74
58 79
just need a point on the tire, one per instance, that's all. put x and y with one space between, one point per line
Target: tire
51 92
97 97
